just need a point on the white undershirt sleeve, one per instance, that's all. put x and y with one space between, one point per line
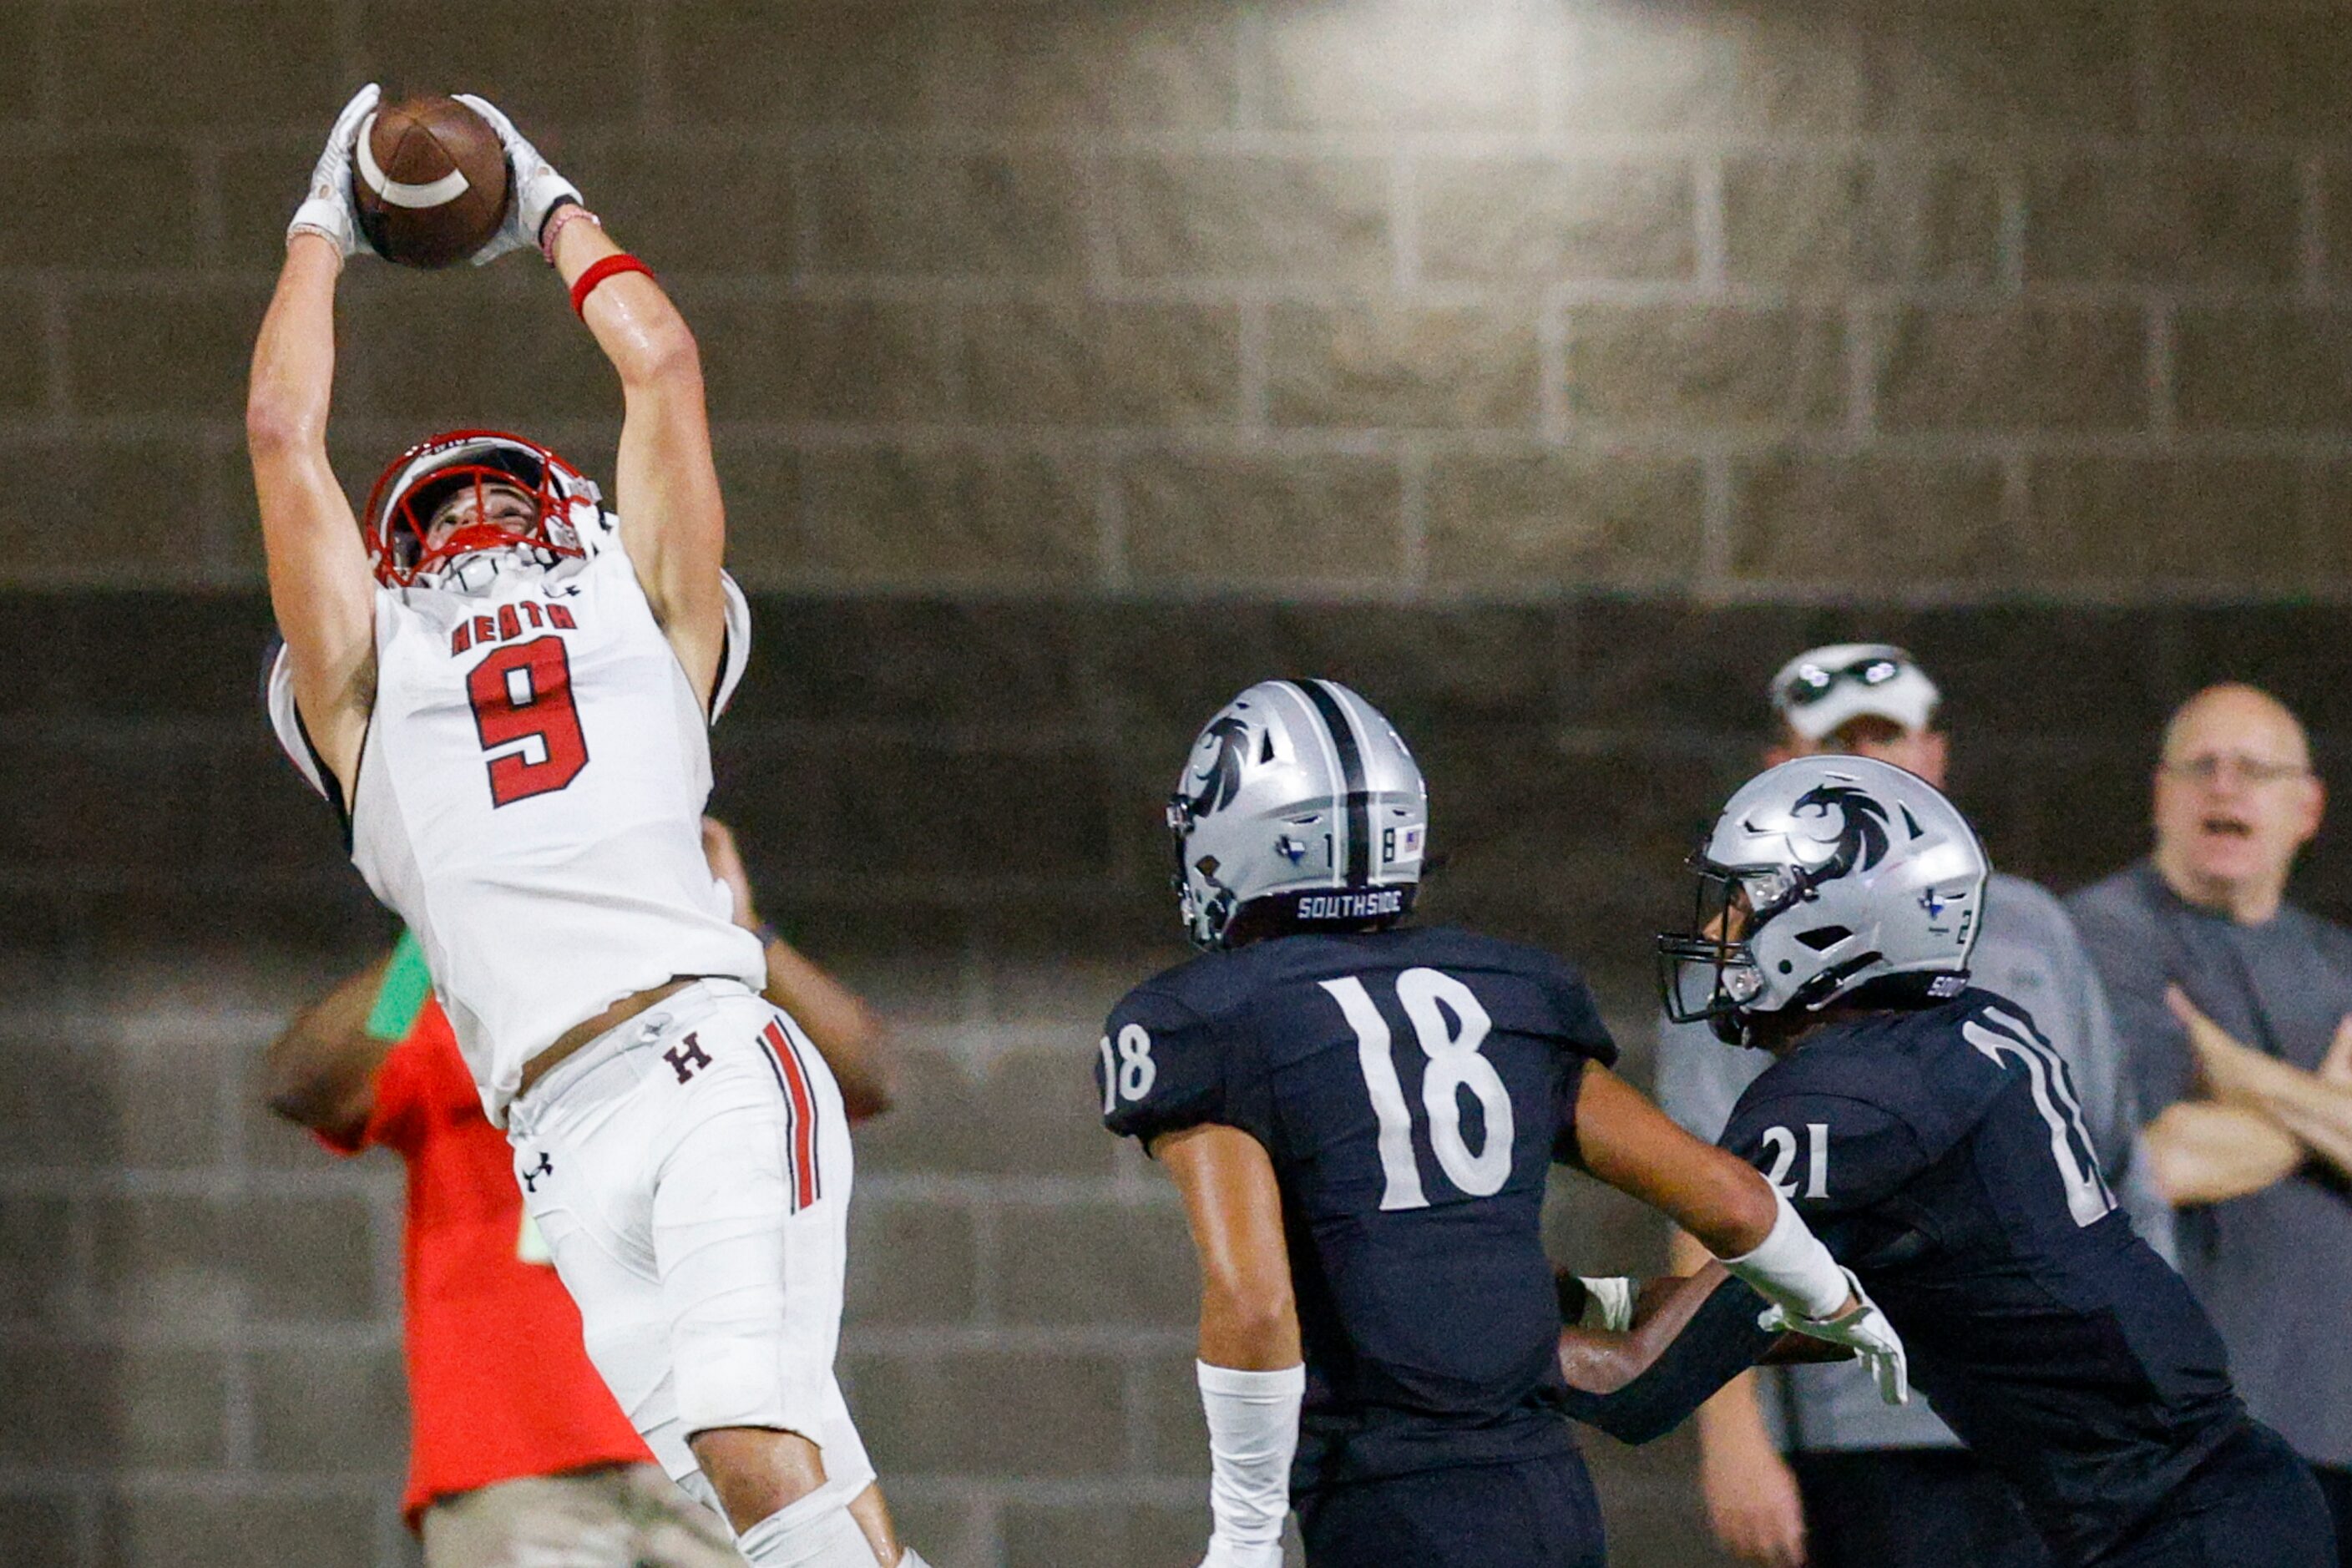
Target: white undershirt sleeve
1792 1267
1253 1433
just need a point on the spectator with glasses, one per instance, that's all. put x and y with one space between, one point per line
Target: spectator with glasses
2236 1009
1862 1484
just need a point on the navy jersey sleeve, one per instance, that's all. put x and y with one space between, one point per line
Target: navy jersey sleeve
1829 1154
1577 1016
1160 1067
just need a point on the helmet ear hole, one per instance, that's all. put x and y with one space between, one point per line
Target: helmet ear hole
1821 939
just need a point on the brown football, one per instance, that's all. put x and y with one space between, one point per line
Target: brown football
429 180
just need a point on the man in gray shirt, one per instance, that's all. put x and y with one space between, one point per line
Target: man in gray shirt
1864 1485
2236 1008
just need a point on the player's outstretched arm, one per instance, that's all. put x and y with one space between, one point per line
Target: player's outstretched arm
1251 1370
843 1029
664 483
320 1073
1688 1336
1623 1140
319 583
1751 1492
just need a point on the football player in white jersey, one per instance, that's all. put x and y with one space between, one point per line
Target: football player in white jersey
505 690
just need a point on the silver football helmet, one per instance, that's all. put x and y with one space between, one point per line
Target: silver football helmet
1826 876
1299 810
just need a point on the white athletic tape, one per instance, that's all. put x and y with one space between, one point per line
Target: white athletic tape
447 188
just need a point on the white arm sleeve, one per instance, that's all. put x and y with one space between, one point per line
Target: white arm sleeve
1253 1433
1792 1267
737 656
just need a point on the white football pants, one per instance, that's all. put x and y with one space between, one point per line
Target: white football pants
690 1172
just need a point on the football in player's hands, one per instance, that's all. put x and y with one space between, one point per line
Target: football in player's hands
429 181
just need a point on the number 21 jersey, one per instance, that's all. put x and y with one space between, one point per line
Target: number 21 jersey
1941 1154
529 801
1412 1089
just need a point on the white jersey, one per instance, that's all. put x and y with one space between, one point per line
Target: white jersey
529 801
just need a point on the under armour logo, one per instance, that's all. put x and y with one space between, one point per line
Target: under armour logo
546 1167
685 1057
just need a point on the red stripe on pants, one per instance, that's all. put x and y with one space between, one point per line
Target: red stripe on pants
803 1108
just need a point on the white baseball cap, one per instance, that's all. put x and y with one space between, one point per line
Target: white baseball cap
1824 688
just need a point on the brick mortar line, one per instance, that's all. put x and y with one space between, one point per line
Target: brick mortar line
1709 241
1110 515
584 145
2162 363
999 1194
2070 595
1097 1341
1076 143
218 1183
102 1027
1555 421
56 356
274 1485
2310 226
1076 443
1718 516
1379 443
1413 518
2016 500
106 1039
1503 292
933 1488
367 1336
2009 243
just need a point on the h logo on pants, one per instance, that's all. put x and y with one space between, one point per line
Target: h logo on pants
686 1057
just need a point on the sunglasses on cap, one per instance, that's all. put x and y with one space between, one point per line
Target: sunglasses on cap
1813 682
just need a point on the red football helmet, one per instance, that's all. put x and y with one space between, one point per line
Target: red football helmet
569 523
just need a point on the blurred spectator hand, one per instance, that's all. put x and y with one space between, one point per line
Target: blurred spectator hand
2336 1067
1752 1502
727 867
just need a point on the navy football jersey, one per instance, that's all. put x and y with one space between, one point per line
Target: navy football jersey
1413 1087
1941 1155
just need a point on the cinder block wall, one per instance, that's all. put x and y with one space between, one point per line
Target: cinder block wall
1547 369
1368 296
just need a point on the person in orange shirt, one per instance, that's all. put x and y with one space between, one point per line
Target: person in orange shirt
519 1452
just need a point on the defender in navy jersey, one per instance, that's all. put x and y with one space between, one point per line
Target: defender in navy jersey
1362 1118
1933 1138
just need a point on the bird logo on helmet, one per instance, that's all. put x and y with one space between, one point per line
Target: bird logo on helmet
1826 877
567 522
1860 841
1299 809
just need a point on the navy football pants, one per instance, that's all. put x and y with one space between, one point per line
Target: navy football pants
1537 1514
2252 1505
2336 1485
1911 1507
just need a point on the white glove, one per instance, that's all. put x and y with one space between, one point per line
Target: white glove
1226 1554
327 210
1609 1303
1862 1329
534 186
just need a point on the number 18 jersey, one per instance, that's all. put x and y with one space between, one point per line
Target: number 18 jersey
1412 1089
529 801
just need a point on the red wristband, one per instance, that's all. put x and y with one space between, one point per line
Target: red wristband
585 284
